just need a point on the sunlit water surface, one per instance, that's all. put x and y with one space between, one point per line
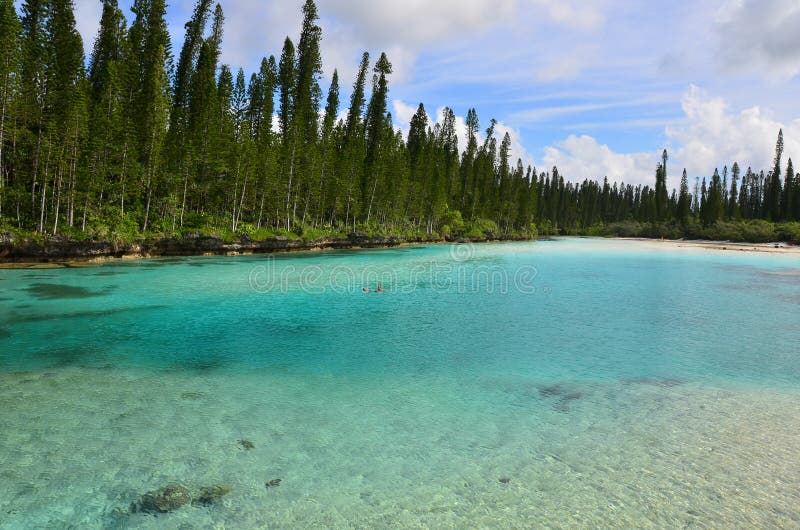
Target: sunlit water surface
575 383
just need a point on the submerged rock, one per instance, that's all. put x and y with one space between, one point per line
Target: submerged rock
563 394
550 391
164 500
565 400
211 495
572 396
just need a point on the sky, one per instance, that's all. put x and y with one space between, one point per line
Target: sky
596 87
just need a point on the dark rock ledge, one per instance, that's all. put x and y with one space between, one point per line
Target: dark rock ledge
59 248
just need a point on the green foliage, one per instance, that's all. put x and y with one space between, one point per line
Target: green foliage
139 145
452 223
308 233
481 229
624 229
789 232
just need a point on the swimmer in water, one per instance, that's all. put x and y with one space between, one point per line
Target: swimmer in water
379 289
364 290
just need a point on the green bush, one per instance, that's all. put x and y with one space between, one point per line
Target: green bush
759 231
308 233
452 223
481 229
547 228
789 232
625 229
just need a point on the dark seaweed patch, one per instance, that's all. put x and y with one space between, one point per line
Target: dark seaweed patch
565 396
71 355
208 262
56 291
109 273
162 262
551 391
564 402
207 365
84 314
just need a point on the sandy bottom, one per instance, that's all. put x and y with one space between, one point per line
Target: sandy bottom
77 446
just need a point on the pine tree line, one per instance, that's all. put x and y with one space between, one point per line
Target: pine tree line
141 141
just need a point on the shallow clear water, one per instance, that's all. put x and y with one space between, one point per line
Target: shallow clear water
606 383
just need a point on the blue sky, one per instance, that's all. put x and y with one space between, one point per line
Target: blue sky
597 87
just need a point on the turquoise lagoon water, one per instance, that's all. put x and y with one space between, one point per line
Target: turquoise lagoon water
573 383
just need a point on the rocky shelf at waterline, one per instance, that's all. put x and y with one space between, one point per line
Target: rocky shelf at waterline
61 248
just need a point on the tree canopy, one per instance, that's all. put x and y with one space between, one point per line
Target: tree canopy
138 141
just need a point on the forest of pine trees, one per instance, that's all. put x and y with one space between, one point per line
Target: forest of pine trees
141 140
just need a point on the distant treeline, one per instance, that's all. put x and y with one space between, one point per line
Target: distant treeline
147 141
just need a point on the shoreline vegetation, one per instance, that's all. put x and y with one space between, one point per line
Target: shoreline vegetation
30 251
147 143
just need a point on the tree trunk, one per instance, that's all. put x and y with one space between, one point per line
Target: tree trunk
241 204
147 208
85 207
289 188
369 211
185 187
44 189
58 202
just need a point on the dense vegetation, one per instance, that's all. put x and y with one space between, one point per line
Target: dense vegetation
143 141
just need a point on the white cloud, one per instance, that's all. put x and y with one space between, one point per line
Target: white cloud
710 136
544 113
87 20
245 40
416 22
402 115
401 29
560 68
713 136
518 150
573 13
760 34
580 157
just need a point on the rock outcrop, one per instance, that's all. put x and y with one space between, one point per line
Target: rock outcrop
164 500
60 248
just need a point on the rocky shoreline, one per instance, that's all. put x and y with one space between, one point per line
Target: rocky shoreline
59 249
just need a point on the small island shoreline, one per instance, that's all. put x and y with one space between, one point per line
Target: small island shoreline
729 246
67 253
